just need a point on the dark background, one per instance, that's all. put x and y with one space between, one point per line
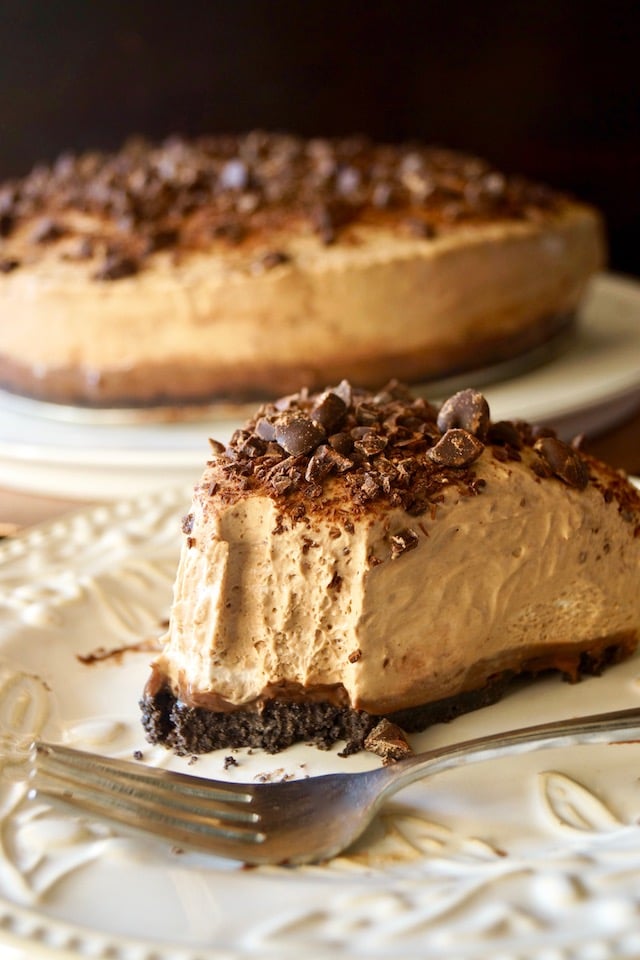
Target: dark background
547 89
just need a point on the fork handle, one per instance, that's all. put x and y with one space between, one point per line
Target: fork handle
612 727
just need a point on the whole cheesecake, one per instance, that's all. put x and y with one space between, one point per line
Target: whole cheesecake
239 267
353 556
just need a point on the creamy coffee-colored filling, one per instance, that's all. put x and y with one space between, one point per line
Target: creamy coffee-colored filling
400 610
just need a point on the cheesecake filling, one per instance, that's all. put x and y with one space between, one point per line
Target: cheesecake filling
394 610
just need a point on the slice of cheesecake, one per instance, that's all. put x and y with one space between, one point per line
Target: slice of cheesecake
352 556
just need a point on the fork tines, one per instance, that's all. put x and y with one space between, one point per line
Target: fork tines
173 805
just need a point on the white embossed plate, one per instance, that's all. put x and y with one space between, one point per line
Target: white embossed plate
591 385
532 858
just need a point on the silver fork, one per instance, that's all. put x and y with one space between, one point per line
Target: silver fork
295 821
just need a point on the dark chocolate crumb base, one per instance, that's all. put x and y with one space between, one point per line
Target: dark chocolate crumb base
188 730
279 724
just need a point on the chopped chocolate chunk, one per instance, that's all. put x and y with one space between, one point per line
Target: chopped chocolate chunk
457 448
565 462
367 414
274 451
230 762
348 180
162 239
232 231
402 541
266 429
504 433
420 228
329 410
187 523
370 444
370 487
7 222
330 217
217 448
325 461
253 447
389 741
234 175
345 392
541 468
339 462
282 485
274 258
342 443
9 264
116 266
298 434
82 250
467 409
320 465
501 454
382 195
47 231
